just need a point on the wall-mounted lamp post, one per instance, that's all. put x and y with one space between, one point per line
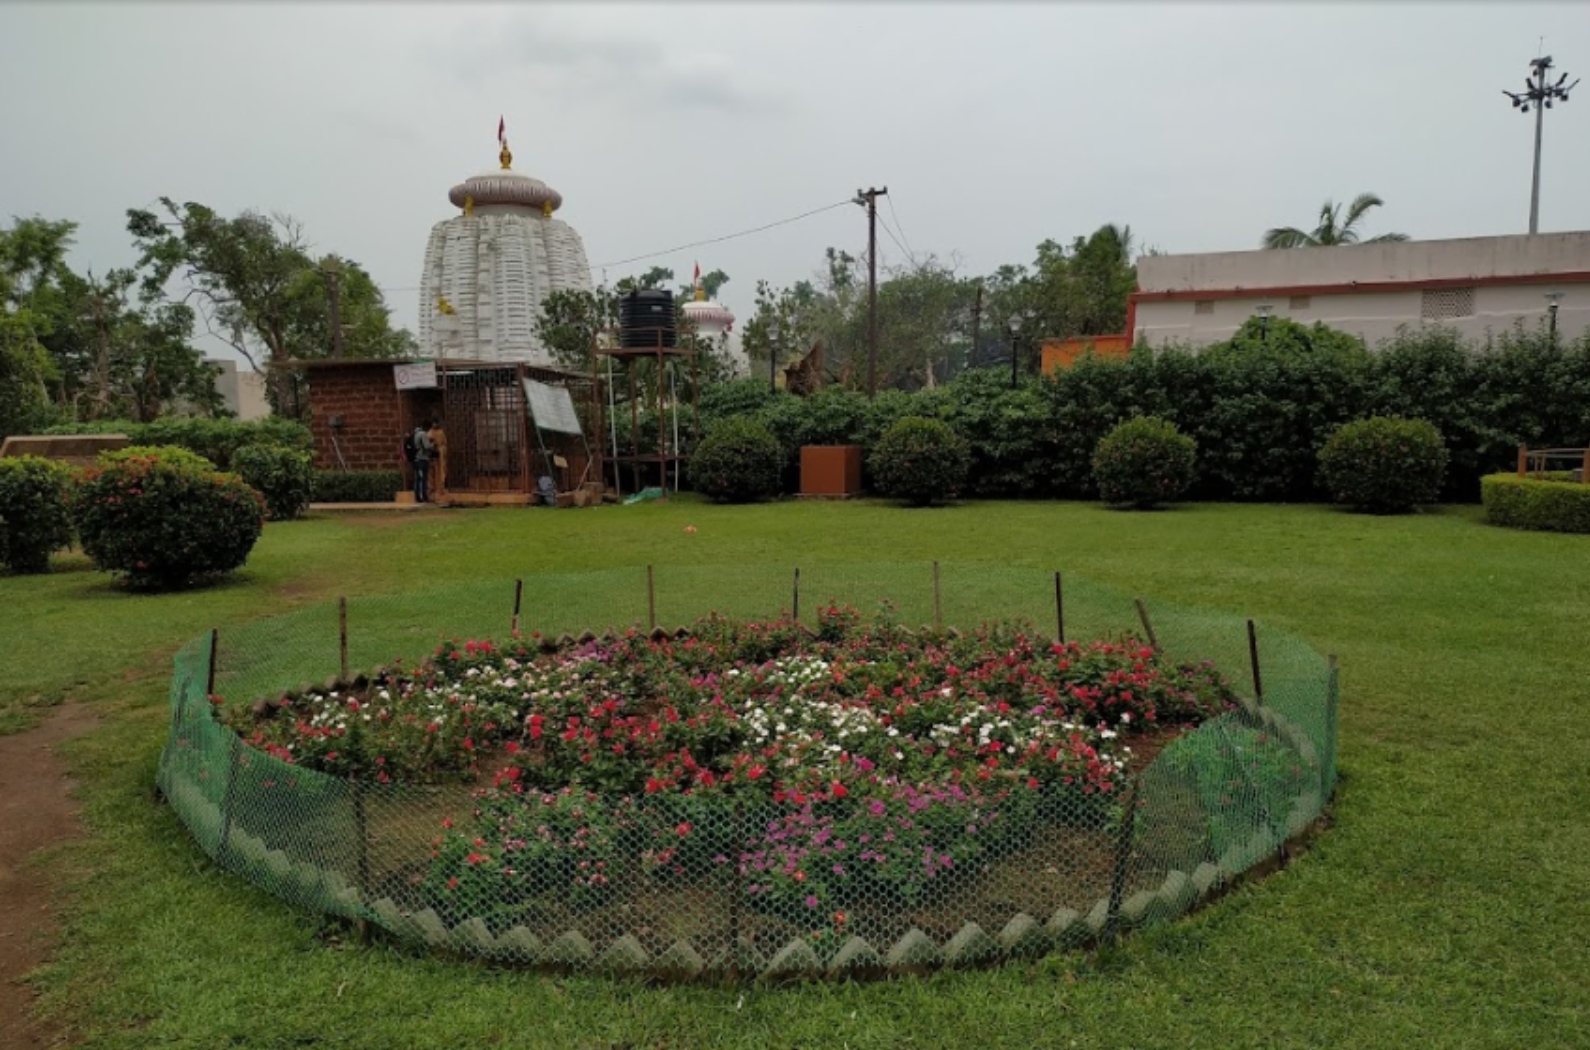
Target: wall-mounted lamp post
1263 310
774 333
1552 299
1014 325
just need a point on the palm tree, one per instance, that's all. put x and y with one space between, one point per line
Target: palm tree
1332 228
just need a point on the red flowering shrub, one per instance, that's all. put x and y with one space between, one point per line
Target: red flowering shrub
163 519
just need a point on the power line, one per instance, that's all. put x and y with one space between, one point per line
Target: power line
725 237
901 226
908 253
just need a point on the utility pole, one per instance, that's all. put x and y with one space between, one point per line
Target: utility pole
977 325
1538 95
333 271
869 199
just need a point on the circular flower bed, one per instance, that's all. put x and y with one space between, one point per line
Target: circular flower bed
818 769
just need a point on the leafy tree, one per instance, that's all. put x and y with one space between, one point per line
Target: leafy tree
1333 228
109 352
256 286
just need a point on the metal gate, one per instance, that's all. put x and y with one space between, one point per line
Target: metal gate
484 412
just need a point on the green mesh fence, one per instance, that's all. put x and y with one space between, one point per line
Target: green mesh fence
705 885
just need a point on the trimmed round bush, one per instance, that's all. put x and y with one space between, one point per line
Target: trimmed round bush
159 521
921 461
1384 465
35 512
1532 503
737 462
284 476
1144 462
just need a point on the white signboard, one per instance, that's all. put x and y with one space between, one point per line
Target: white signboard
421 375
552 407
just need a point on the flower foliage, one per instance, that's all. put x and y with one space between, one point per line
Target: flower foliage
814 766
160 517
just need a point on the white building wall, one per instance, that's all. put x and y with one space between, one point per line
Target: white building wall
1510 277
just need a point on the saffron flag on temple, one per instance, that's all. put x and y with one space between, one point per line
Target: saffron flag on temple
502 129
696 280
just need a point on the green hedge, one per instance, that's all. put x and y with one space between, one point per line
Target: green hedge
214 439
1144 462
1385 465
1528 503
1260 407
357 486
35 512
738 462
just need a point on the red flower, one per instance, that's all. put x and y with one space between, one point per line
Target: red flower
839 790
683 829
475 858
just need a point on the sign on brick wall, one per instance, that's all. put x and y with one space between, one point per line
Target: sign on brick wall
420 375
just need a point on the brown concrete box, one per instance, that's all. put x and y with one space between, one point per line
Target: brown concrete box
833 471
76 450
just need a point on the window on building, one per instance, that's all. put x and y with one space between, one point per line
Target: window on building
1204 306
1442 304
1300 302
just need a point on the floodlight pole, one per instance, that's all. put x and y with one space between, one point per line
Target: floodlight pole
1539 95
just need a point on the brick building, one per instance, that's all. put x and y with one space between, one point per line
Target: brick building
358 415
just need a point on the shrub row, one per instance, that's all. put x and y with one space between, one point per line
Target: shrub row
217 440
1259 409
356 486
1551 505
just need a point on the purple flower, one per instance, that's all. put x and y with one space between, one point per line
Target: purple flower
811 902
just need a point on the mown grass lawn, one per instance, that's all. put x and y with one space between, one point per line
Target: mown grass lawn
1447 907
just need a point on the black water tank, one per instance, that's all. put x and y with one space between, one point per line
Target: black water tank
641 314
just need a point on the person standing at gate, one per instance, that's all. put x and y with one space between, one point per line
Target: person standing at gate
422 464
438 479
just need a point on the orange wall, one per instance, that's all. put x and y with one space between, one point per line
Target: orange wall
1063 353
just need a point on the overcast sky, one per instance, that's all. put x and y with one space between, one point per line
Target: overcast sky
993 126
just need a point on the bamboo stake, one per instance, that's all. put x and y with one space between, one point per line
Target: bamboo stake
938 605
1059 611
651 598
1148 627
518 596
342 635
1253 657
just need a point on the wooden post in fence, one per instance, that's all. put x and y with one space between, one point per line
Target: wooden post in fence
1148 626
209 680
1523 460
1123 858
1584 470
938 604
797 594
1059 611
1253 658
651 599
518 597
342 636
